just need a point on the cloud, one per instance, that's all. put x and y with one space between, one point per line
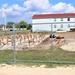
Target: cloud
70 9
42 7
18 8
35 5
63 7
31 7
59 7
46 7
5 5
11 11
28 16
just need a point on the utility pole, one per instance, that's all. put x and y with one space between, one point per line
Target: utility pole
4 16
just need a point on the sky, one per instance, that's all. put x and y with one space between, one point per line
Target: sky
18 10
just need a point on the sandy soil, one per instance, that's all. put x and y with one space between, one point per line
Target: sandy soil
69 47
69 44
22 70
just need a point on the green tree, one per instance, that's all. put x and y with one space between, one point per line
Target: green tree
23 24
17 25
10 24
30 26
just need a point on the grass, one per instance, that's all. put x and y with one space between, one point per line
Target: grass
26 57
43 55
33 55
11 32
6 55
58 55
61 55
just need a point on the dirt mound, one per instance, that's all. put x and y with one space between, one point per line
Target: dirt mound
69 47
44 45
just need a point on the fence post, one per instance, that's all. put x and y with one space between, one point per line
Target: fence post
52 43
14 48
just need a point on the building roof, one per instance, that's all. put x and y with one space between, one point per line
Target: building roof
39 16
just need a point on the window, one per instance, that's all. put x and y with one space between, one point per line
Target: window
74 25
54 26
68 25
68 19
61 26
61 19
54 19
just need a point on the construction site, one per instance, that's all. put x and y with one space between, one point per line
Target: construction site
57 47
38 41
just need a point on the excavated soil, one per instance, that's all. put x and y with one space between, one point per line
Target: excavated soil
68 43
46 44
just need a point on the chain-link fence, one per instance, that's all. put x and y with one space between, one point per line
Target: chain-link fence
37 47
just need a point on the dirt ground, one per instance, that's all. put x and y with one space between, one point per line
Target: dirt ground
69 42
46 44
23 70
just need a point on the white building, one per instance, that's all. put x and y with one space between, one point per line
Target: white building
54 22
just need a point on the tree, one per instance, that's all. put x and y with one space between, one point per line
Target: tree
17 25
9 24
1 26
23 24
30 26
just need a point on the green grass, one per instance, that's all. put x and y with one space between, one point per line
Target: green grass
43 55
11 32
61 55
26 57
6 55
33 55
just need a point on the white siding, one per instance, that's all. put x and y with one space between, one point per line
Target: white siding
41 20
44 24
41 27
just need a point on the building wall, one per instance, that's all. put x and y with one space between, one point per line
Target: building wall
40 27
45 24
